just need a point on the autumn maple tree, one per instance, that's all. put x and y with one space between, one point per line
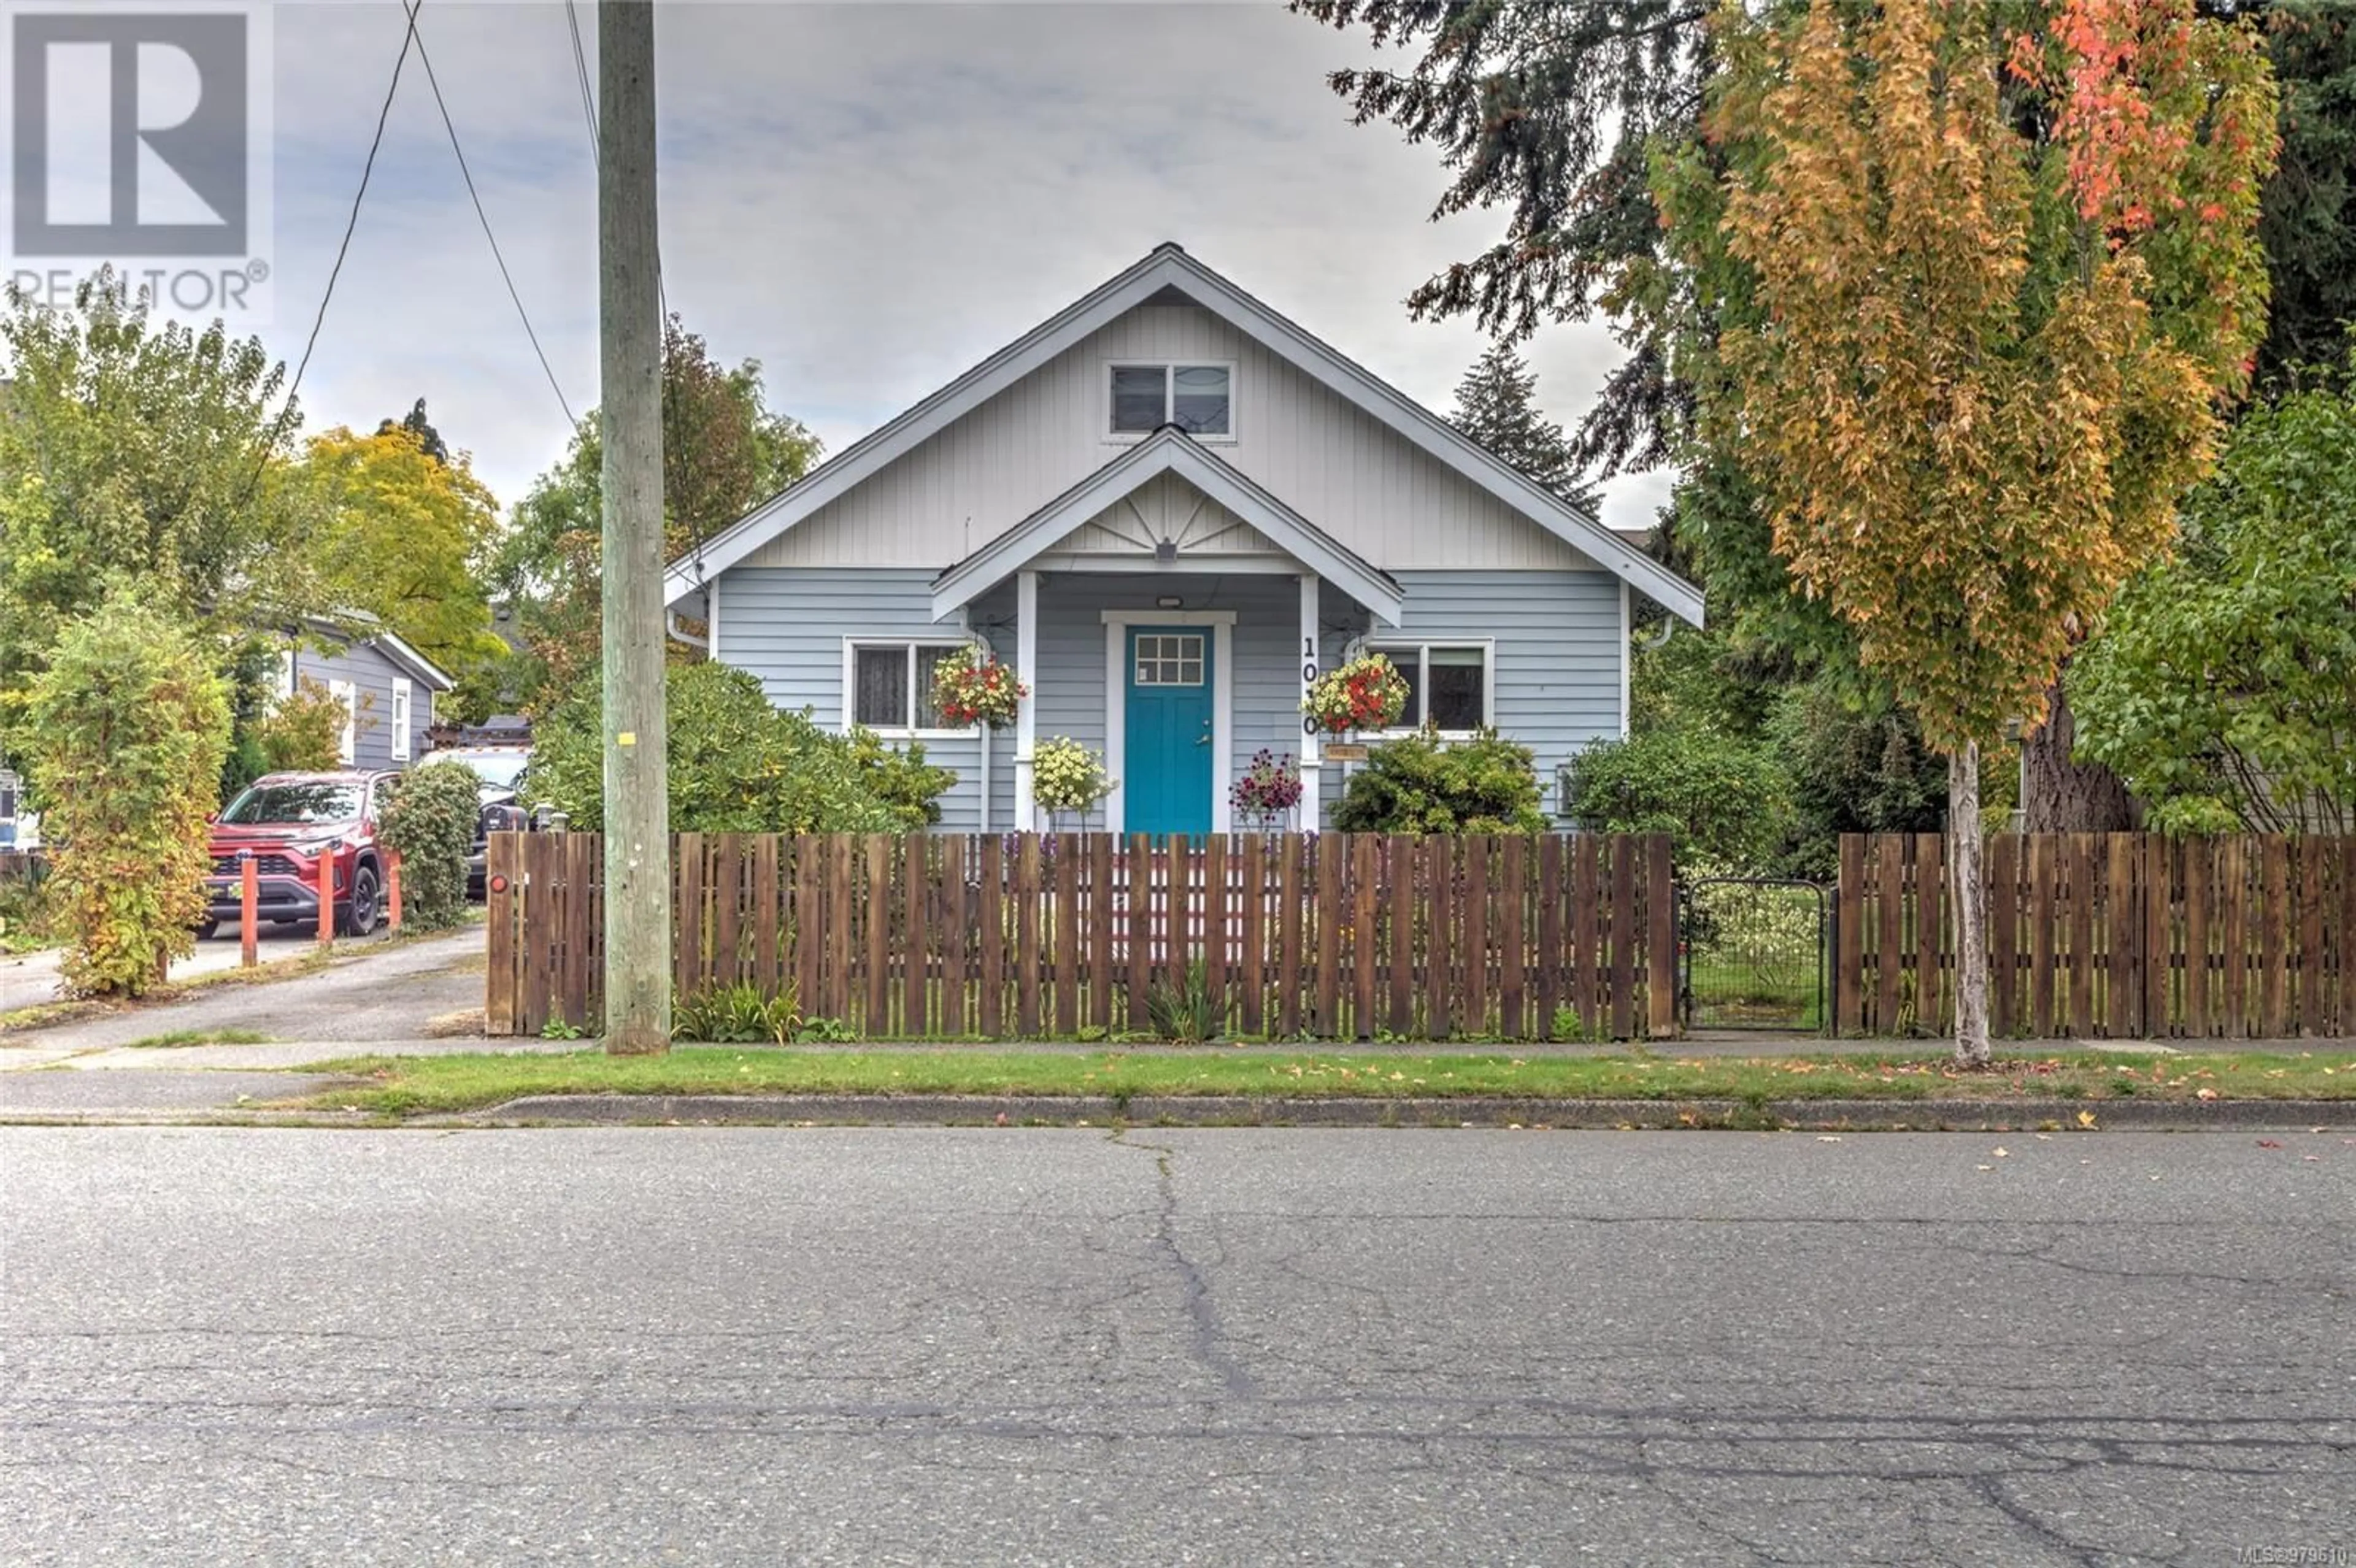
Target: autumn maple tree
1967 404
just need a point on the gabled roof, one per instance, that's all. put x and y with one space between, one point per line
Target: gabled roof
1169 451
358 628
1170 268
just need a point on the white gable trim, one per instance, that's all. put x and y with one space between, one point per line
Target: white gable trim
1170 267
1166 451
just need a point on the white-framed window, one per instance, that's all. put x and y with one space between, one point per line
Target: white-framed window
1198 397
348 743
1169 658
400 699
1450 684
887 685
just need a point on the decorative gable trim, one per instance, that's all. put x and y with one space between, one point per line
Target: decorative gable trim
1168 449
1169 268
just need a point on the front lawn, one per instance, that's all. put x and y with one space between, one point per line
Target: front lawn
411 1085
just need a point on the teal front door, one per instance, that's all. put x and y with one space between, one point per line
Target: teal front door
1167 735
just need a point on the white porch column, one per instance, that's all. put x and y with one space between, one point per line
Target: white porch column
1310 669
1026 718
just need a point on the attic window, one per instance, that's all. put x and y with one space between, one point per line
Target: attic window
1197 398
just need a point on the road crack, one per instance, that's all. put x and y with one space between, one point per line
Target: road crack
1208 1337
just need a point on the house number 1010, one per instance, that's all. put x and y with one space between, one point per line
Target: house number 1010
1308 679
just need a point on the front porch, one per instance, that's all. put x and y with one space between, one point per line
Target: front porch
1169 614
1179 678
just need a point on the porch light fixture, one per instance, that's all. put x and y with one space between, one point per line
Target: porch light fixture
1170 602
1165 552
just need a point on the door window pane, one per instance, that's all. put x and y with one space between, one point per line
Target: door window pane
1458 680
1140 394
1170 660
1199 399
880 688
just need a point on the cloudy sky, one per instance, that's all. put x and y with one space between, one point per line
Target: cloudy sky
866 197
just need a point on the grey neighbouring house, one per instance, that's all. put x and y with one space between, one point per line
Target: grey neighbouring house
1168 507
387 686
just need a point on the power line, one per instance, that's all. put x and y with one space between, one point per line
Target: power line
484 219
581 69
384 112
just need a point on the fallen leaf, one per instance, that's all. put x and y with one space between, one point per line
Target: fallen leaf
1827 1138
2085 1118
1986 1168
2001 1153
2268 1143
2205 1093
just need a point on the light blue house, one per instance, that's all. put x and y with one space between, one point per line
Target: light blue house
1168 507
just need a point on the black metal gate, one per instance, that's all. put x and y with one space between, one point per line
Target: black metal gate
1751 954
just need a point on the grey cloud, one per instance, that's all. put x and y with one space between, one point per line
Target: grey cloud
867 199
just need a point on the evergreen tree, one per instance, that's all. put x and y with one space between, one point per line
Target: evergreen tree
429 440
1548 112
1496 405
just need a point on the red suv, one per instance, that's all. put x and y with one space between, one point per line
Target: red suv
290 823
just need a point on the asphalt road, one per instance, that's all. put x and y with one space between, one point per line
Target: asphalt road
642 1346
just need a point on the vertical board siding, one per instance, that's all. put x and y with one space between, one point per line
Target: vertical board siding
1373 490
2108 936
1333 936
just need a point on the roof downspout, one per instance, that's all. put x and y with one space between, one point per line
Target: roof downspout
670 625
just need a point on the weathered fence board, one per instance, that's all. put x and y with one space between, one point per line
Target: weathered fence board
2126 936
1332 936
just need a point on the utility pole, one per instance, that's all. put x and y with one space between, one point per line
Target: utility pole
638 805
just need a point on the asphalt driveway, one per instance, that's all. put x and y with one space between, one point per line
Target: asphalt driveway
371 990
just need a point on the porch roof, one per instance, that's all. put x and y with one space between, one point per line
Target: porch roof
1169 451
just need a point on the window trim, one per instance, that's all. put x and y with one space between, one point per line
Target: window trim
1167 364
403 715
348 692
908 644
1397 650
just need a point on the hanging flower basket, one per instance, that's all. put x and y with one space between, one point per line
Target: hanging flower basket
1367 693
1067 776
1268 791
970 690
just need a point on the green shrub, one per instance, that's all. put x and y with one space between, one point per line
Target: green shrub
740 1014
1421 784
737 765
1857 764
304 732
909 788
130 728
430 824
1722 801
1179 1007
25 909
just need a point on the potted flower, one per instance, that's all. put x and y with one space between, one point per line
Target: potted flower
1265 796
1367 693
1067 778
971 687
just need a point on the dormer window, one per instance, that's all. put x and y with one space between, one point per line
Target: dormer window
1197 398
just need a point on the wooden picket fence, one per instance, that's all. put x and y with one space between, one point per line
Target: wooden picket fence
1332 936
2121 935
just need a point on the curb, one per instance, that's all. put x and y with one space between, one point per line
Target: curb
1226 1109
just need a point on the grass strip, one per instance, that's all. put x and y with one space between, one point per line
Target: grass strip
426 1084
179 1037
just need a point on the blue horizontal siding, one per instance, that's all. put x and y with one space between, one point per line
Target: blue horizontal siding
1558 654
1557 667
786 625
